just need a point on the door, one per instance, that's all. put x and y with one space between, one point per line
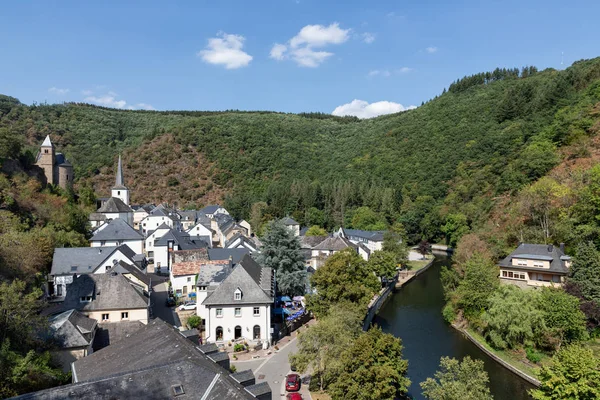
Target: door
256 332
219 333
237 332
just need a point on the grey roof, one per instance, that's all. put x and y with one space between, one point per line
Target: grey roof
125 268
117 229
163 211
183 240
111 332
210 209
260 389
335 243
190 215
538 252
95 216
224 221
253 280
85 259
47 142
364 248
243 239
72 329
145 207
114 205
119 182
212 274
376 236
244 376
308 242
109 291
154 347
289 221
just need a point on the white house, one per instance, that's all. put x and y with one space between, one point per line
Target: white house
239 241
139 213
372 239
201 228
328 247
237 306
158 216
292 225
116 233
225 227
153 236
75 261
212 210
172 241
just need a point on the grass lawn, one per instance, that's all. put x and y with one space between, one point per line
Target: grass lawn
416 265
515 358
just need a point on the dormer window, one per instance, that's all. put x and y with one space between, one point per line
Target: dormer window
237 295
85 299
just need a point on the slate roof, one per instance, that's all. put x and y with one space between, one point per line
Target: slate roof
538 252
86 259
224 254
289 221
125 268
376 236
114 205
162 211
213 273
145 207
335 243
308 242
190 215
97 217
210 209
109 292
47 142
253 280
111 332
243 239
117 229
183 239
72 329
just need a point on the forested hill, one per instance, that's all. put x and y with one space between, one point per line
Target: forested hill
489 134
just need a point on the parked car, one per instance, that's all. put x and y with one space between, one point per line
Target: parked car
292 383
293 396
170 302
190 305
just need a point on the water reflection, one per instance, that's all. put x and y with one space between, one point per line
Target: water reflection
414 315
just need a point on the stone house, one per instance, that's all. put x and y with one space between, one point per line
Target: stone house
532 265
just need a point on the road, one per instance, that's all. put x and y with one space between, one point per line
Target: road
159 308
274 370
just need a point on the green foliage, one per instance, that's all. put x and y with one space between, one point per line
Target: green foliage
533 355
194 322
281 251
573 374
320 346
239 347
562 315
456 226
316 230
383 263
10 144
477 285
458 380
393 242
367 219
372 368
344 280
585 271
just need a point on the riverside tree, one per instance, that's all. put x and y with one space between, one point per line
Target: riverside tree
281 251
458 380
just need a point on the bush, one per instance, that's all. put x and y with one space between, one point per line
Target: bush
233 369
194 322
449 313
533 355
239 347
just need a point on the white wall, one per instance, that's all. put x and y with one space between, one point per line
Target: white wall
138 314
122 194
151 222
200 230
157 234
246 321
109 262
181 281
125 216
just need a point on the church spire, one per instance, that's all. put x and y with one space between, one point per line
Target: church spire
119 179
47 142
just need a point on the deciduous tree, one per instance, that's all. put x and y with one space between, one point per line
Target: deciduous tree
458 380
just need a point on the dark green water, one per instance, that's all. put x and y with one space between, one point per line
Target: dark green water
414 315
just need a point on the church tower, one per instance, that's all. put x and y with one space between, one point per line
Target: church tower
45 160
119 190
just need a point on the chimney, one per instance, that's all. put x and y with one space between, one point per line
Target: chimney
99 251
562 247
550 248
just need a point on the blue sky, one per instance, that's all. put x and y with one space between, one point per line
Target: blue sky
284 55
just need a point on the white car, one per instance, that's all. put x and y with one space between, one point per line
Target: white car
190 305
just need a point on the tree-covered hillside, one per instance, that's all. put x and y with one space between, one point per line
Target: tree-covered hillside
439 169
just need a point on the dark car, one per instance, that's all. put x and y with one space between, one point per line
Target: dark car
292 383
170 302
293 396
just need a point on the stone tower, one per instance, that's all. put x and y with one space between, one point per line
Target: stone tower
120 191
65 175
46 160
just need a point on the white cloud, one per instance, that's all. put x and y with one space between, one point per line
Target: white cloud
278 51
404 70
58 91
431 49
379 72
363 109
110 100
226 50
368 37
303 48
86 92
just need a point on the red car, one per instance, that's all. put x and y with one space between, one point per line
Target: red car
294 396
292 383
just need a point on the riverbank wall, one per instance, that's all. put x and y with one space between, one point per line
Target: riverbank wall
384 294
499 360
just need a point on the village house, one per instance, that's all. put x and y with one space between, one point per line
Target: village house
116 233
239 241
74 261
292 225
57 169
201 227
139 213
307 243
321 252
174 240
238 306
211 210
225 227
188 218
373 240
184 268
158 216
152 237
108 297
531 265
74 335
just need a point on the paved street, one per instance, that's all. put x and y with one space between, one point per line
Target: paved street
159 309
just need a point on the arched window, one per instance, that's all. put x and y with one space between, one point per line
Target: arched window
256 332
237 332
219 333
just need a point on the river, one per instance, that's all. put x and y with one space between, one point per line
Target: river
414 315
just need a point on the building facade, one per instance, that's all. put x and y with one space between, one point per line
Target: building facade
57 169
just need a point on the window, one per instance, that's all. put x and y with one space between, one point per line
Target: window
178 390
510 274
74 268
103 243
256 311
124 315
538 265
189 279
85 299
238 296
202 288
238 312
45 151
219 312
178 291
504 274
522 263
104 317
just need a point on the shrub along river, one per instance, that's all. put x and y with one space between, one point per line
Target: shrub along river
414 314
